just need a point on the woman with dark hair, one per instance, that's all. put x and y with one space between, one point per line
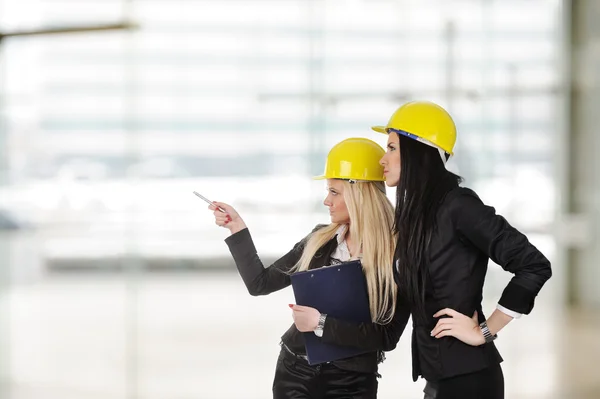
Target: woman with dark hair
446 236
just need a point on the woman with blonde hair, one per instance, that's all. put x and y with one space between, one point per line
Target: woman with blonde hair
361 227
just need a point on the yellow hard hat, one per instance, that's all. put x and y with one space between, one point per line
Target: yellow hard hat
355 159
423 121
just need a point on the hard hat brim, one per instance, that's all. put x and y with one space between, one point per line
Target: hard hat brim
323 177
380 129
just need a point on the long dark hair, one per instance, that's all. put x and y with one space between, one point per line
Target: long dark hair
424 181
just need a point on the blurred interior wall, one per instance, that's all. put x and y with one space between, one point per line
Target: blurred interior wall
4 261
4 317
583 186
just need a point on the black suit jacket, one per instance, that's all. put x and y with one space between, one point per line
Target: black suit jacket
468 234
263 281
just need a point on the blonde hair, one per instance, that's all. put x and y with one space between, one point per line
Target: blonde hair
371 221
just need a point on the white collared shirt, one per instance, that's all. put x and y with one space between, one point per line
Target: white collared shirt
342 252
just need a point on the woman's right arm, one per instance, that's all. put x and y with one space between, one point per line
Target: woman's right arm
258 279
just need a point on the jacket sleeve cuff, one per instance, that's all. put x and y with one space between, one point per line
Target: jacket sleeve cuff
329 328
332 328
517 299
241 243
508 312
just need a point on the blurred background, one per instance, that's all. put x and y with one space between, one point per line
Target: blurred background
114 281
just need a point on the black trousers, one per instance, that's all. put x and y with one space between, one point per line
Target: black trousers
295 378
484 384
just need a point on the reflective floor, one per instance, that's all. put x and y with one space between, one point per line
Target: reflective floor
197 336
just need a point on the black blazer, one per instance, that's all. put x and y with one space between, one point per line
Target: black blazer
263 281
467 235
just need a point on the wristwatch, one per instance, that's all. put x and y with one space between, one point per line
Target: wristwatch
487 335
320 325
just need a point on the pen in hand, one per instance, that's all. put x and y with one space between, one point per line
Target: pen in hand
209 202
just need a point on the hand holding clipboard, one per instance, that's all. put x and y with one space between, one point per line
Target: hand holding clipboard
339 291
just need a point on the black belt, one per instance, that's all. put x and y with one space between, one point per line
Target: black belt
297 356
289 351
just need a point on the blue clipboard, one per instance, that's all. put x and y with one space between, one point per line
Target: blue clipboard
340 291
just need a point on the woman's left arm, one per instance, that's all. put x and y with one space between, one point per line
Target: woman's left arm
510 249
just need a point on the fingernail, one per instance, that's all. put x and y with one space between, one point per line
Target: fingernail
227 221
291 305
